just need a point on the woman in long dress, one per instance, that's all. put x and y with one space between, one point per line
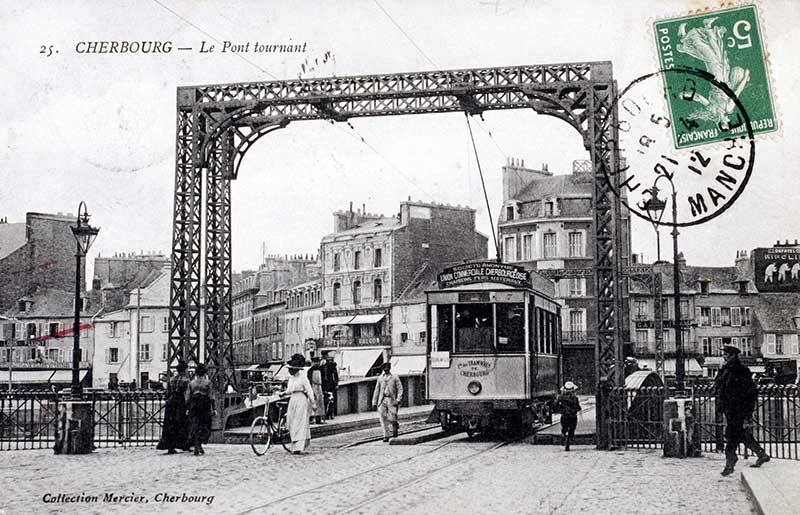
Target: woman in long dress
314 375
301 401
201 409
175 433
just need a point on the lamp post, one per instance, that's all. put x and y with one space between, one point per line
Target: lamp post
84 235
655 209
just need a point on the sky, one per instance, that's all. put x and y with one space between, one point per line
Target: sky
100 128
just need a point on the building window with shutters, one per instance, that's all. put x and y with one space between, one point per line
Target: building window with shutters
378 258
509 249
144 352
706 347
113 355
147 324
745 316
527 247
705 316
684 303
575 244
747 346
736 317
778 344
357 260
164 348
337 261
377 290
640 308
356 292
716 317
550 244
576 286
337 294
725 317
576 326
641 336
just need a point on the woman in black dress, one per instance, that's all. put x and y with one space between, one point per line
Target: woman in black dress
200 409
175 433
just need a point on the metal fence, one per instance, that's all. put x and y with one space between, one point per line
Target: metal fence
28 419
635 418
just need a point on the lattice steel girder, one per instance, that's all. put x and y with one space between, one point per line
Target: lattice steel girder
579 93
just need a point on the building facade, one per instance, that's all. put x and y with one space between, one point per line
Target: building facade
303 318
369 260
546 223
37 254
132 343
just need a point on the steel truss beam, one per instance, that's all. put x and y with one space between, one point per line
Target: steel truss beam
217 124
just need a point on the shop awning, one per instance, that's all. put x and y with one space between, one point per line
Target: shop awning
409 365
366 319
44 376
356 363
337 321
247 369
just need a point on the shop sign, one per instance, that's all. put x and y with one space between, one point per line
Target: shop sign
471 273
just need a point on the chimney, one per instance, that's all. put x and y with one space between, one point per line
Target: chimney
681 260
744 270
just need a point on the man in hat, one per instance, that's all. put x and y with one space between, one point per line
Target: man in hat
330 383
736 398
387 396
568 405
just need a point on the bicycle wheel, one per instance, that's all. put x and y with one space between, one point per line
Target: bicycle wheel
283 434
260 435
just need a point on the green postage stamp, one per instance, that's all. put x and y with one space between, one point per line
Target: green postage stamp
729 45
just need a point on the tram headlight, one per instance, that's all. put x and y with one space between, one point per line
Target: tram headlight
474 387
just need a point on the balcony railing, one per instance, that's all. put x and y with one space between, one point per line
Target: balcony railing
577 336
648 349
363 341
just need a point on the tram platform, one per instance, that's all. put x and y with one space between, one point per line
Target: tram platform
585 432
340 424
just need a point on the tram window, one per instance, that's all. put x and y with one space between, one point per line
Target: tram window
532 326
474 328
510 327
542 334
442 327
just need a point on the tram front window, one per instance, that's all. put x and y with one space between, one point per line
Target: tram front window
474 328
511 327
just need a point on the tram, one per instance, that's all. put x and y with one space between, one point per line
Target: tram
494 355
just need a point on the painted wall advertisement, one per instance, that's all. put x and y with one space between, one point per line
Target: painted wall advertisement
777 269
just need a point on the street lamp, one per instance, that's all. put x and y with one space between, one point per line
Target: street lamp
655 209
84 235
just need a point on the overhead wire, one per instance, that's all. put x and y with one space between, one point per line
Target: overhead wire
483 184
357 135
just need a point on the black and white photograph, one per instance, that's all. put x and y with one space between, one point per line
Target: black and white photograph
399 257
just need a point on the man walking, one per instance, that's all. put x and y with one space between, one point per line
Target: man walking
387 396
568 405
736 398
330 383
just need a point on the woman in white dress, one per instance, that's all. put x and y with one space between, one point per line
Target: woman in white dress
301 402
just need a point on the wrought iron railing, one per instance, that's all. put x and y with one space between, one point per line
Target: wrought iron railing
635 418
577 336
648 349
28 419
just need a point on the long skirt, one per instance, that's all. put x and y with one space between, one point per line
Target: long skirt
297 418
199 419
175 433
320 411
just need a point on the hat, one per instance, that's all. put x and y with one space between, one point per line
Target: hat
315 359
296 361
569 386
730 349
386 366
181 366
200 370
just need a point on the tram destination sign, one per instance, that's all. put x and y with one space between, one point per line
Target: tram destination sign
471 273
777 269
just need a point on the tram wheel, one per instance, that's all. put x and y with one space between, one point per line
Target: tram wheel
471 433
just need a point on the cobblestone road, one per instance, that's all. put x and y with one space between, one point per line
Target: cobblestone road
452 476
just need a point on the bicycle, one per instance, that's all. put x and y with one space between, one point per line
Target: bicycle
264 430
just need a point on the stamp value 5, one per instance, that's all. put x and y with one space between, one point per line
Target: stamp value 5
727 44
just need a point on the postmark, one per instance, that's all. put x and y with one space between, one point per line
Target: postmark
729 45
703 181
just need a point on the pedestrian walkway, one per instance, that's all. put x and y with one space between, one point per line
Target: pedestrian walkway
585 431
341 423
774 487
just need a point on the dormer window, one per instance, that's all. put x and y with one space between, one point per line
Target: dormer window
509 212
21 306
548 208
704 286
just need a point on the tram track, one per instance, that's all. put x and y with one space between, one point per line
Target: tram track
372 439
369 472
